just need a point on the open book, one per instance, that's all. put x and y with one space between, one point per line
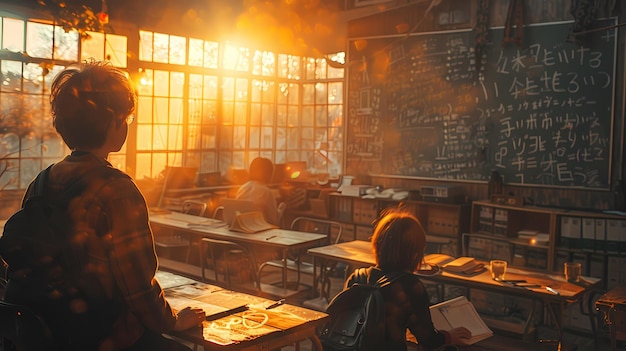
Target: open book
250 222
460 312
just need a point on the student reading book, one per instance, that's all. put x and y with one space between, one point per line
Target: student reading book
460 312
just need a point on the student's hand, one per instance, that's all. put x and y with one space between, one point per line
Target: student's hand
459 335
189 318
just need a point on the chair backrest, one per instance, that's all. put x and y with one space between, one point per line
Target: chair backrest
233 206
318 225
218 213
222 252
23 329
196 208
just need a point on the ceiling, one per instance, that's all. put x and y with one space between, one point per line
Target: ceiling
302 27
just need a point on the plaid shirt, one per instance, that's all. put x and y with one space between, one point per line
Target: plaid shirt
407 306
111 259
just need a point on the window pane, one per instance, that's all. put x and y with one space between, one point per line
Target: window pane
241 111
267 115
288 66
39 40
175 141
176 84
65 44
116 50
177 49
13 34
267 137
320 93
144 137
308 93
161 83
33 78
236 58
196 51
308 116
254 138
281 138
93 46
145 45
144 109
160 137
161 110
161 48
210 87
211 54
11 76
176 111
335 93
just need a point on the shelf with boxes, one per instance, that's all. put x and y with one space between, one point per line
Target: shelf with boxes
544 238
597 241
443 222
523 235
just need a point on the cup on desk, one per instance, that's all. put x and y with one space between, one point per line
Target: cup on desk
498 269
573 271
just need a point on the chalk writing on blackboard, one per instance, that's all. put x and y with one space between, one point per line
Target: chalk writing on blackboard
539 114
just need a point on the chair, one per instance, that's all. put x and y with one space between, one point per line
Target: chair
218 213
172 241
227 258
311 225
22 329
196 208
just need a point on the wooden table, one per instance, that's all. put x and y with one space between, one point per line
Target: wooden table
252 328
359 254
280 239
612 306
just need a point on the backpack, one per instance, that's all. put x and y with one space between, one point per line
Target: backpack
357 315
35 242
31 232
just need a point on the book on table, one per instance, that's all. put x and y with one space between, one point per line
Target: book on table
464 264
460 312
250 222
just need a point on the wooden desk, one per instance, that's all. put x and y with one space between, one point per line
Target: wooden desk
280 239
256 328
359 254
612 307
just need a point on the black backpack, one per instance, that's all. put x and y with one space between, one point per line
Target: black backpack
35 241
357 315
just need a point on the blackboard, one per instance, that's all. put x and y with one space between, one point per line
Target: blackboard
539 114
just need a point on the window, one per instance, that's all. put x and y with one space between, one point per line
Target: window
201 103
108 47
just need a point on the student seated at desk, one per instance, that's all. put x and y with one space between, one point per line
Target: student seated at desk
398 244
97 289
257 190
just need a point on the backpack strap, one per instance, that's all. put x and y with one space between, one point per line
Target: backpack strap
40 181
366 276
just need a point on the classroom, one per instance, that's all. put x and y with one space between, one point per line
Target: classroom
268 139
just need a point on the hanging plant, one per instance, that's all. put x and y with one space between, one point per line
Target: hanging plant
73 16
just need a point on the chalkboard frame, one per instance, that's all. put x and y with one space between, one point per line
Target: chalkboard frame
373 169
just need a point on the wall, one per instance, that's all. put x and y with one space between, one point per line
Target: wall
453 15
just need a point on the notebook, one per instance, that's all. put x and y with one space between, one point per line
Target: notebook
233 206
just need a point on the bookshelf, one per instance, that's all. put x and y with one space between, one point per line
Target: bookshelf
595 239
444 222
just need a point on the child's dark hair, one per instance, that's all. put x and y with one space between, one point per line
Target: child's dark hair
398 241
86 98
